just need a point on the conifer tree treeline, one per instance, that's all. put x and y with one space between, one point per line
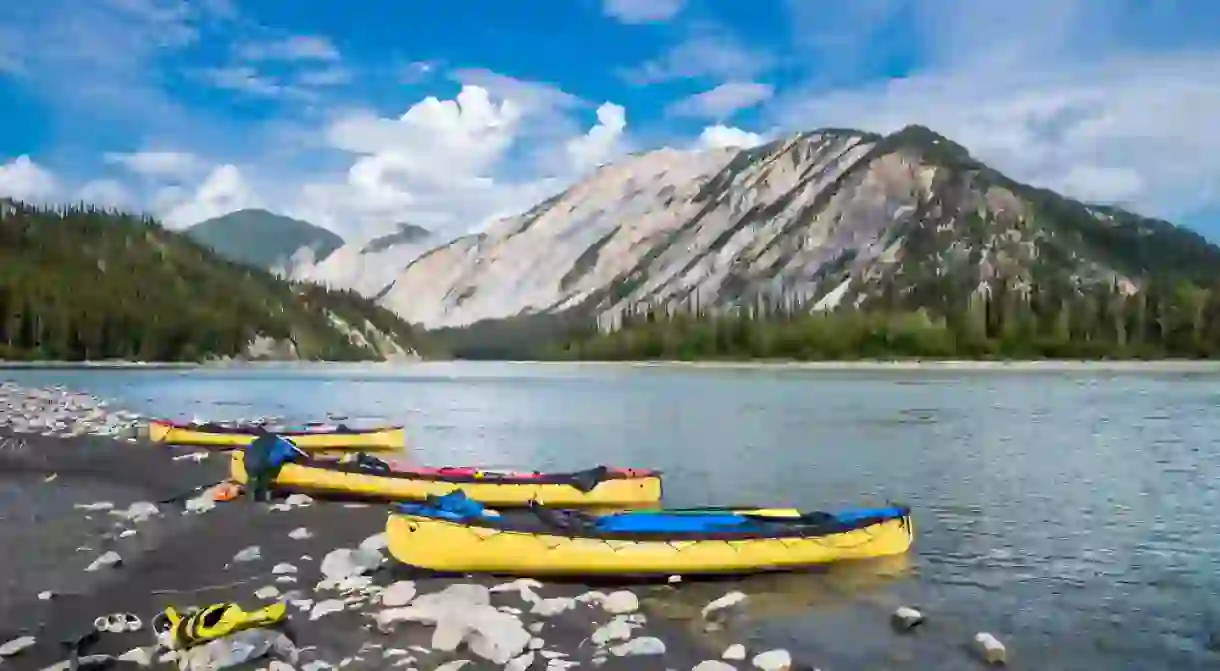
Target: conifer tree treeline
84 283
1176 319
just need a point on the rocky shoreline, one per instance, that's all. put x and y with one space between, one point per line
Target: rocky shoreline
100 522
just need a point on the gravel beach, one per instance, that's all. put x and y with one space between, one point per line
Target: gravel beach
71 502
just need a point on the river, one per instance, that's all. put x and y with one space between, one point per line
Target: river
1074 515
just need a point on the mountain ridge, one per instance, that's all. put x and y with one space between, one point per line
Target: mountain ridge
826 217
263 239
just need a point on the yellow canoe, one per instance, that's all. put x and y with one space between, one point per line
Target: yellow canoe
565 543
381 439
601 487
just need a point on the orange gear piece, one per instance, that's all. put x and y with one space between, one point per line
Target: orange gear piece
227 491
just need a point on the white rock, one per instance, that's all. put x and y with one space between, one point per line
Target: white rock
298 500
16 646
536 644
316 665
560 664
517 585
345 562
520 663
46 596
645 645
139 656
280 507
773 660
299 534
906 618
127 533
302 604
140 511
727 601
614 630
248 554
286 579
990 649
376 542
735 652
398 594
554 606
110 558
536 627
496 637
453 666
621 601
268 592
713 665
193 456
281 569
674 579
457 593
94 507
277 665
553 654
324 608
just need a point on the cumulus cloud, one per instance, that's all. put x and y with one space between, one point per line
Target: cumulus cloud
23 179
603 142
224 190
723 101
723 137
642 11
106 193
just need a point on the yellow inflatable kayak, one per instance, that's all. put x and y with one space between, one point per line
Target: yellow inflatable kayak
309 437
457 535
374 479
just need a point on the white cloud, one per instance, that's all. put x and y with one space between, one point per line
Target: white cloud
530 96
23 179
722 137
106 193
331 76
642 11
603 141
224 190
293 48
1135 130
707 53
158 164
723 101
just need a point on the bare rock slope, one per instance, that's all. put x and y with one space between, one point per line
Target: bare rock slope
821 219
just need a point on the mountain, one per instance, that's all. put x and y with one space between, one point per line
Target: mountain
366 266
262 239
821 220
82 283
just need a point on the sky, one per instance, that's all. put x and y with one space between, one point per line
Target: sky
363 114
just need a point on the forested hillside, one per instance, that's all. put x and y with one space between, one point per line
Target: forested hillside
80 283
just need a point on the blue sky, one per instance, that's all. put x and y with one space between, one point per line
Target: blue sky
360 114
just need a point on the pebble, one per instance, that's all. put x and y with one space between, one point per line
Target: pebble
520 663
735 652
16 646
248 554
376 542
906 618
773 660
324 608
268 592
139 656
56 411
990 649
398 594
281 569
453 666
46 596
727 601
299 534
714 665
110 558
298 500
614 630
621 601
645 645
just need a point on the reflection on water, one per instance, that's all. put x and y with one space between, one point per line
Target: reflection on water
1072 515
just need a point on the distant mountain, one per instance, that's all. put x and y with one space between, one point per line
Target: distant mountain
821 220
80 283
366 266
263 239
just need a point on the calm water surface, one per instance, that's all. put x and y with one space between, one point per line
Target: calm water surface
1073 515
